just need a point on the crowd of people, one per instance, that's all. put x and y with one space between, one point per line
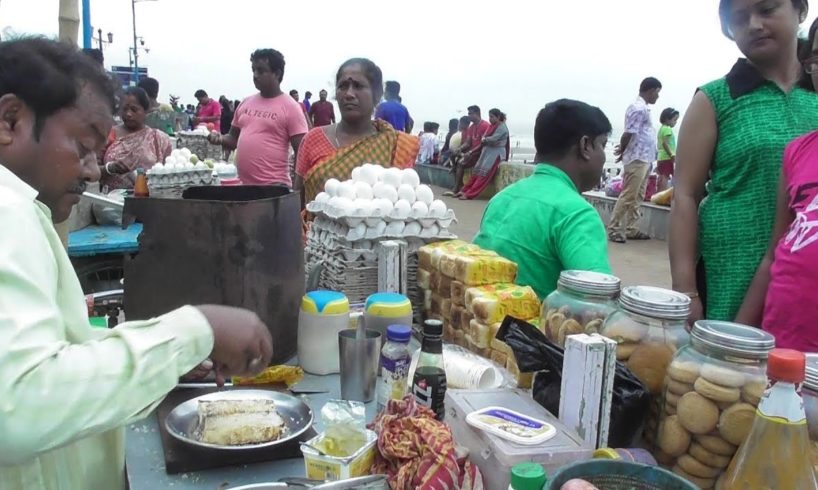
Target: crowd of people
742 234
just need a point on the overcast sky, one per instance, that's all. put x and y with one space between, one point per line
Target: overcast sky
512 54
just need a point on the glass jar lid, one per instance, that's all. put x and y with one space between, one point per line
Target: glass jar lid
588 282
733 338
655 302
811 380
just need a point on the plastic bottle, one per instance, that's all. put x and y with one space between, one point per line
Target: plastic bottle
395 361
140 187
776 452
527 476
429 382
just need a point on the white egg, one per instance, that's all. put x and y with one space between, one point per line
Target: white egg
175 153
363 191
343 206
420 210
368 174
413 228
392 177
185 152
402 210
356 174
406 193
395 228
200 166
378 170
424 194
437 209
410 177
188 166
383 206
362 207
347 189
385 191
331 187
322 197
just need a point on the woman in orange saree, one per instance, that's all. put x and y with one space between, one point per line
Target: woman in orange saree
333 151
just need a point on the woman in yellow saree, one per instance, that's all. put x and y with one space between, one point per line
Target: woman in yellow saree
333 151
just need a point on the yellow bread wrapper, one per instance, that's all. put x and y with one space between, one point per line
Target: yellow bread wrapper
441 285
446 309
501 346
516 301
465 320
499 357
427 300
457 316
460 338
424 278
477 270
482 334
425 252
524 380
454 249
458 293
289 375
449 259
448 332
490 291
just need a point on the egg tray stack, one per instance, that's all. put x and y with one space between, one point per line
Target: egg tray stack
470 290
352 266
173 182
197 143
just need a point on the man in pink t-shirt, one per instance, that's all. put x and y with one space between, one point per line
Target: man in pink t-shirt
264 125
210 111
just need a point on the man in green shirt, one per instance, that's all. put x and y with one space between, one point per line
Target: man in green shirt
542 222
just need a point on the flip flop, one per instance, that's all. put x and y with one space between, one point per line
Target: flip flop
616 237
448 194
639 236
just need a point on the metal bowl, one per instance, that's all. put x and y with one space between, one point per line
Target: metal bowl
183 421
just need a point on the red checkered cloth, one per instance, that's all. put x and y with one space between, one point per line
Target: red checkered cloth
416 451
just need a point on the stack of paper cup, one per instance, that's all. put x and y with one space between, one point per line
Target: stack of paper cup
467 372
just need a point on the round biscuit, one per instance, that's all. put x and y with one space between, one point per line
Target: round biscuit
700 482
716 445
624 351
678 388
673 438
683 371
735 422
649 363
695 467
715 392
723 376
697 414
671 399
710 458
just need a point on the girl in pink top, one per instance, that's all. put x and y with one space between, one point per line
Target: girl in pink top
783 297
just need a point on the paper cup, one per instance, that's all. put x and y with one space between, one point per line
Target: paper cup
468 374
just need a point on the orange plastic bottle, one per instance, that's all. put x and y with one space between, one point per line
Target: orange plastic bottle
775 455
140 187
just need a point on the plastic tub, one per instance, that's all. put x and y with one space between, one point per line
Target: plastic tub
620 475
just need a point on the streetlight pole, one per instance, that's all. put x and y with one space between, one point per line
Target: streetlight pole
99 33
135 48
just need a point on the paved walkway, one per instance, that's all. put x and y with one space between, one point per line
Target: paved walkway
636 263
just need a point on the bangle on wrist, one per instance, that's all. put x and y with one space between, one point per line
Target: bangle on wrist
691 294
108 170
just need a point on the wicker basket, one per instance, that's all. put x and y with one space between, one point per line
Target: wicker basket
199 146
620 475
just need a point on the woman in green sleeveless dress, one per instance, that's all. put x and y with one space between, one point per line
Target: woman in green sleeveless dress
729 156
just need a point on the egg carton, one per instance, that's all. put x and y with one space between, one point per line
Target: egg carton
199 146
354 218
383 231
183 177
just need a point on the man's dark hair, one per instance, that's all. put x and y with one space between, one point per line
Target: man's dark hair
453 125
49 76
649 83
140 95
561 124
726 5
293 92
465 120
427 127
372 72
274 59
435 126
95 54
307 94
392 88
474 108
667 115
200 93
150 86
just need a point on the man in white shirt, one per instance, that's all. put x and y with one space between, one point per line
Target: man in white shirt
66 389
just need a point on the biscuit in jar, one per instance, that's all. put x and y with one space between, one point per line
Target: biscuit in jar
649 363
735 422
717 445
673 438
715 392
697 414
683 371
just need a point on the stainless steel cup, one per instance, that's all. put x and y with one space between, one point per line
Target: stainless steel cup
359 364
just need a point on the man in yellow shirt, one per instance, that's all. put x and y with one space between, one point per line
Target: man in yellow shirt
67 390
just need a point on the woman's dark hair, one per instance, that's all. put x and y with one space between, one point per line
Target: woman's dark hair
498 114
667 115
140 95
804 53
465 120
562 123
225 103
453 125
372 73
274 59
724 14
48 76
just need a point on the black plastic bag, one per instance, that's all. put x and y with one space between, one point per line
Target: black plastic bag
535 353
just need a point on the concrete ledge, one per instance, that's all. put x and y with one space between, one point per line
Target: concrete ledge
655 219
507 174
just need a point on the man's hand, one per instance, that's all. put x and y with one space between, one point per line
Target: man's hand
199 372
618 153
214 138
242 345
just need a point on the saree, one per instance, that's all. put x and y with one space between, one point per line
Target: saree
386 147
495 149
141 149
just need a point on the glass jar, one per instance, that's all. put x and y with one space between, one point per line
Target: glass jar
580 304
809 391
649 327
712 389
